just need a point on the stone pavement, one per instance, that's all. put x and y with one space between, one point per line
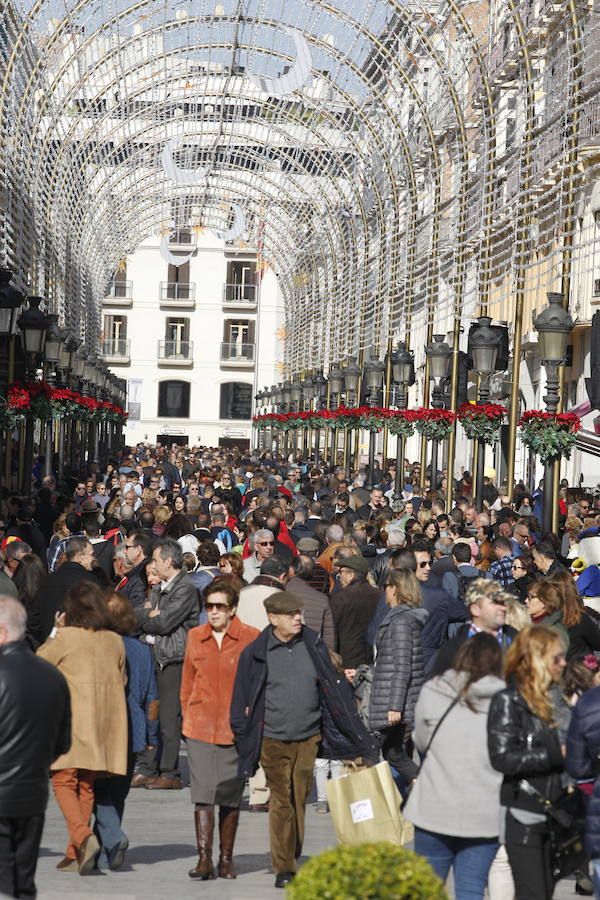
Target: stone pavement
160 827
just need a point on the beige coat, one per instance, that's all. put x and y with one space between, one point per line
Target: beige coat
93 663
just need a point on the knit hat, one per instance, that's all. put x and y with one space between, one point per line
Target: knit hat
283 602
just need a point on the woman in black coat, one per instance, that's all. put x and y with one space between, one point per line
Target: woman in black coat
399 671
524 745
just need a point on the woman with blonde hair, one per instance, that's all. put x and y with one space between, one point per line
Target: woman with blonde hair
399 670
525 746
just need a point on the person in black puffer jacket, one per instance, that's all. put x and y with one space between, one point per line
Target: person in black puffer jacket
399 671
582 762
524 744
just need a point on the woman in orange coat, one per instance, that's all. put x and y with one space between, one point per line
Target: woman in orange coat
209 668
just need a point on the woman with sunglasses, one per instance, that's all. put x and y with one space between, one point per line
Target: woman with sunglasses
209 669
544 605
525 745
524 573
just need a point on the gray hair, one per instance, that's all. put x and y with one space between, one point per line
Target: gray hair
443 546
126 513
76 546
120 552
13 617
334 533
396 538
16 549
261 533
170 549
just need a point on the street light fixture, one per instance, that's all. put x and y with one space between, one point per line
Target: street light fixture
438 353
79 360
296 393
484 345
553 325
374 370
10 301
33 324
403 372
55 338
352 375
336 380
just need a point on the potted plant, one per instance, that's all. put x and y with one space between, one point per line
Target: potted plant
380 871
481 421
549 435
434 424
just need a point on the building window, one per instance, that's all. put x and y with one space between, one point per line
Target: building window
174 399
177 330
236 400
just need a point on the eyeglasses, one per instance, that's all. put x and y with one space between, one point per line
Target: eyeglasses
266 543
423 564
220 607
517 568
532 597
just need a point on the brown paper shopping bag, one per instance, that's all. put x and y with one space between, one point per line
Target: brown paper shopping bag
365 806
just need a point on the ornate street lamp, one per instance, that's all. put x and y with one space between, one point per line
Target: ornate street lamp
484 344
373 370
10 301
33 324
319 383
296 394
553 325
336 386
438 353
352 374
403 373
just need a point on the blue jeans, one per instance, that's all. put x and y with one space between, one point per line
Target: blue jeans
470 859
110 795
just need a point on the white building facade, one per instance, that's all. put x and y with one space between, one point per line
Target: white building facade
194 341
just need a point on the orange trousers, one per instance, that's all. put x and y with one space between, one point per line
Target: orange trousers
74 792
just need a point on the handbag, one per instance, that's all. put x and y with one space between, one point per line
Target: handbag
566 820
365 806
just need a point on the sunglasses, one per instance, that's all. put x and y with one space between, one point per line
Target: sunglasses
499 602
517 568
423 564
220 607
532 597
266 543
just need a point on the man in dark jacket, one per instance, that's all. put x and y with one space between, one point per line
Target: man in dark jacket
486 602
46 513
317 611
374 507
353 607
166 618
287 698
51 593
138 549
35 713
29 531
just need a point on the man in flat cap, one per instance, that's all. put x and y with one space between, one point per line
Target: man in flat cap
288 701
353 607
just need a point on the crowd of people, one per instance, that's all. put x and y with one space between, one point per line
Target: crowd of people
280 619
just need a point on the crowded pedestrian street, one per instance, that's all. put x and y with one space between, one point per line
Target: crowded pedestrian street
300 449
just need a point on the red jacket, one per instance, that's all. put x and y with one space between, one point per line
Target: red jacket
208 678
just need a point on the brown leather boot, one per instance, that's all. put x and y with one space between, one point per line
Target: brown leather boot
228 823
205 827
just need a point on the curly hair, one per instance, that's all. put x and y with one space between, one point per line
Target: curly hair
525 664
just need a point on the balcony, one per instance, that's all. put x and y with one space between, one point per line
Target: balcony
175 353
118 293
177 295
116 352
239 296
239 356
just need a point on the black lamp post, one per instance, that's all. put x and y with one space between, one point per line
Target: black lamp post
33 324
336 386
319 389
307 396
553 325
438 353
10 302
352 373
374 369
485 344
403 373
55 339
296 400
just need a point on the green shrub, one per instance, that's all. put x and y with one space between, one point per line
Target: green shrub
380 871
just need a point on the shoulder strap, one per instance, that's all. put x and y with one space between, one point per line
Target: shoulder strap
437 728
